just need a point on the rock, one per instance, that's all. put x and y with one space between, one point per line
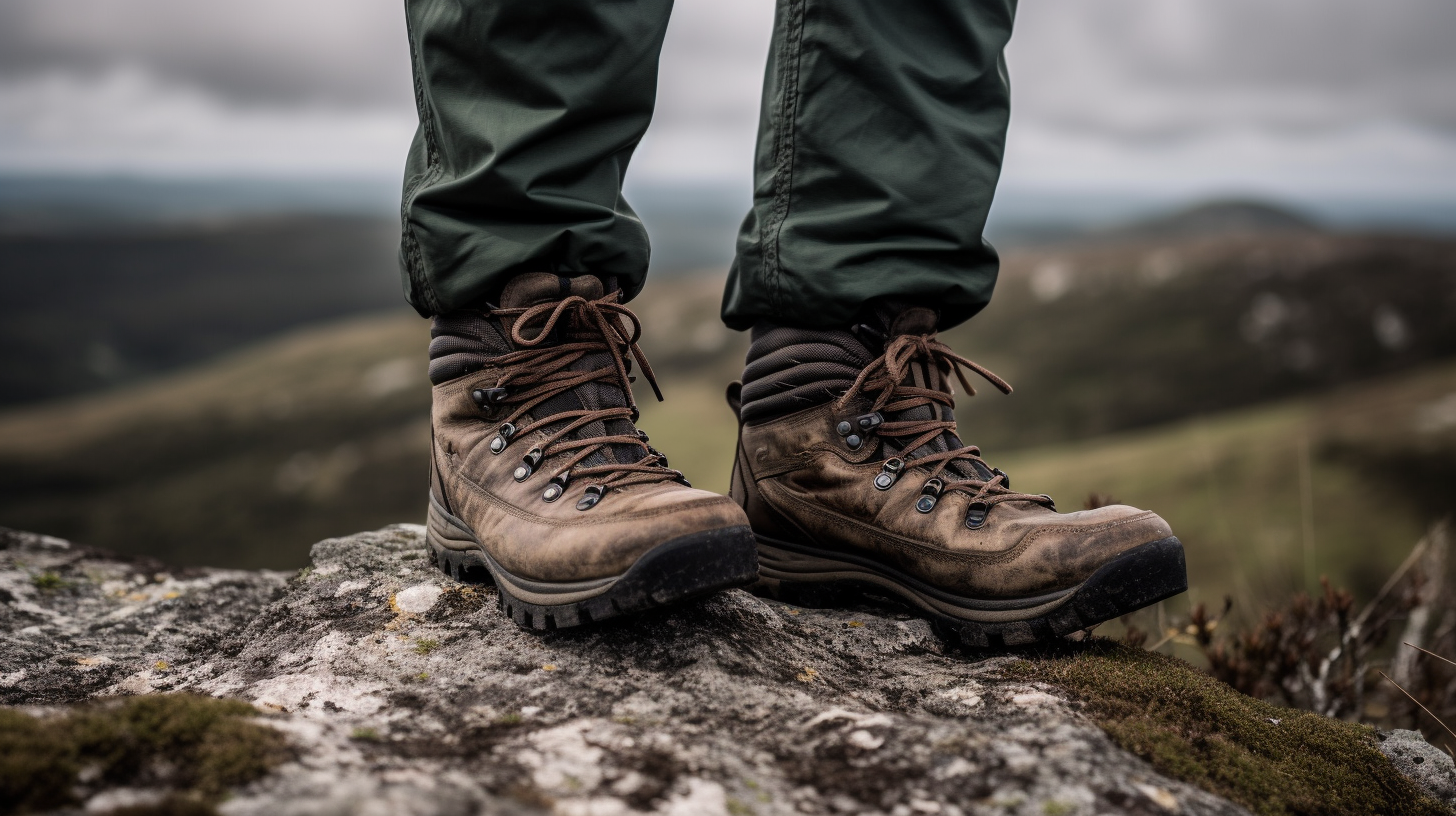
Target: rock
1432 768
405 692
80 622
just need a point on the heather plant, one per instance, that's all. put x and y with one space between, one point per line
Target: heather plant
1388 663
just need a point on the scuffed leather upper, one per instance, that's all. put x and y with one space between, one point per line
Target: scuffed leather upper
799 482
527 535
554 541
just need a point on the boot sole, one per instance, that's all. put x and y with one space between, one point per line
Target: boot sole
676 570
1139 577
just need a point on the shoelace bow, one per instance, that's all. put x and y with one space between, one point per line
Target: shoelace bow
888 376
535 373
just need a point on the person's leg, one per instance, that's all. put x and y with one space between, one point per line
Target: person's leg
529 113
518 243
879 148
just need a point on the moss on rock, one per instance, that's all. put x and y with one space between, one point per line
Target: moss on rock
1272 760
195 747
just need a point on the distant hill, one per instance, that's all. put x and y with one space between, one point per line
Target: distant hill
1215 218
89 309
1074 224
109 281
1124 334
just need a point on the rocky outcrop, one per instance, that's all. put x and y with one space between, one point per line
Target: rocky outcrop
405 692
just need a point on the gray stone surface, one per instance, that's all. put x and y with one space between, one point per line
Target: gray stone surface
75 622
409 693
1432 768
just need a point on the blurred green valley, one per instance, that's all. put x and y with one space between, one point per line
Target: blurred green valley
1285 396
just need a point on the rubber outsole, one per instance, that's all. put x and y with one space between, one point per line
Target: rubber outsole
1139 577
677 570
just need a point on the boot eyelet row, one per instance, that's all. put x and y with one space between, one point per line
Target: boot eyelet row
976 515
889 473
528 464
593 495
502 438
929 495
556 487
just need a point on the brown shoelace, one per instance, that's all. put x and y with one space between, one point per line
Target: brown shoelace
887 377
535 373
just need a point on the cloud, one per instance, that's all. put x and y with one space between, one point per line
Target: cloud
1141 68
1388 160
1173 94
260 52
127 120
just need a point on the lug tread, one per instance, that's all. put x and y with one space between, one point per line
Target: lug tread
678 570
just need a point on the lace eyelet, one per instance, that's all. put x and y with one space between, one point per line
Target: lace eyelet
488 398
556 487
528 465
502 438
930 494
976 516
869 422
590 499
1005 480
853 441
889 473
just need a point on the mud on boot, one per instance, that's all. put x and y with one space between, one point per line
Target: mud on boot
541 481
852 474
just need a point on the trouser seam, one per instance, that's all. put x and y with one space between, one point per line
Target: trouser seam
784 151
414 259
422 104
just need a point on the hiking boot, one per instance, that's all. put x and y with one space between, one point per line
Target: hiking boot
542 482
852 475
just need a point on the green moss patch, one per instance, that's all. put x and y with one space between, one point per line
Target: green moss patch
1192 727
196 747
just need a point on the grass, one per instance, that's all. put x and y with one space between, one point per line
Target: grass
1274 761
47 581
198 747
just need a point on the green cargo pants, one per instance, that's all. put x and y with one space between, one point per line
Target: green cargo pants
879 147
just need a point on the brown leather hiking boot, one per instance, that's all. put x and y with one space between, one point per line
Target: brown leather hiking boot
542 482
851 473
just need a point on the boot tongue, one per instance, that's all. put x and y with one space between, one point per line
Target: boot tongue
913 320
536 288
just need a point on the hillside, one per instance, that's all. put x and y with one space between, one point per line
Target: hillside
88 308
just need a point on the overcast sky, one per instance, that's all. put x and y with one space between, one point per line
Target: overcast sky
1307 97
